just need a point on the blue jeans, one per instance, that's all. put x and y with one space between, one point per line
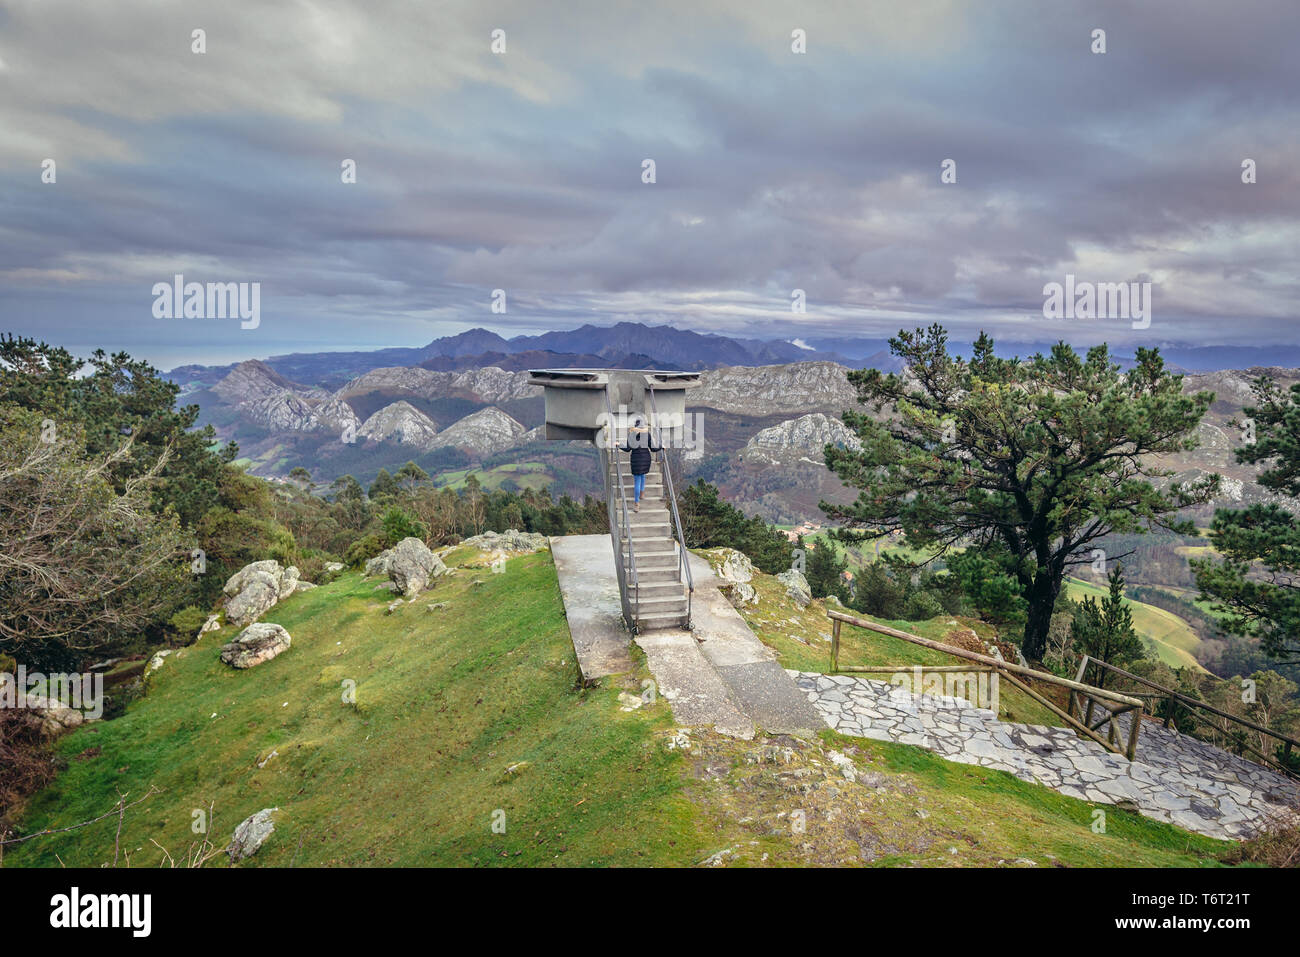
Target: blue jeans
638 484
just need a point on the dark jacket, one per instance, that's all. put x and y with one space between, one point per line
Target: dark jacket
640 446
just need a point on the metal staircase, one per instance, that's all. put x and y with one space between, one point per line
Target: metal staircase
651 560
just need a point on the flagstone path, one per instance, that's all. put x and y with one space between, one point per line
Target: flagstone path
1175 778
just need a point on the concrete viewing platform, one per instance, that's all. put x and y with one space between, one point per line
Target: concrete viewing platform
717 675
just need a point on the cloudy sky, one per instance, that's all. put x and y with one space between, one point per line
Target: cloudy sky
523 170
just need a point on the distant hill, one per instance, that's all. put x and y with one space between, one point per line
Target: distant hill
627 345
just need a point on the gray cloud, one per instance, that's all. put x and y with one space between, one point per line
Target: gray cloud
775 171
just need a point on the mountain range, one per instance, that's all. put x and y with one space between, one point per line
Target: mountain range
629 345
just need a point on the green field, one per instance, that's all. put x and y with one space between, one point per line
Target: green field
1166 635
524 474
472 713
446 702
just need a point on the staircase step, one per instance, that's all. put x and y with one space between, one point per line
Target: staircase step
659 589
653 546
662 605
658 620
654 575
654 563
640 528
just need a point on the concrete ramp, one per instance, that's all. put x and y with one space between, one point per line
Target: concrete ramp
762 689
584 565
719 675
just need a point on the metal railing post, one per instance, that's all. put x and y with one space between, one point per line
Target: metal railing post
624 531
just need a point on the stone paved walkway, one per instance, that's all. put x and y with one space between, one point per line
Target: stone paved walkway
1176 778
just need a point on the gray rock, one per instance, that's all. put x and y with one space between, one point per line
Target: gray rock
253 590
289 581
412 565
735 572
55 716
379 564
155 663
258 643
796 587
251 834
508 541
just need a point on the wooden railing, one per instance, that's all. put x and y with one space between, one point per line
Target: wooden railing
1114 703
1171 697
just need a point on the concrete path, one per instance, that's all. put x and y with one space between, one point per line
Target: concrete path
584 565
1176 778
719 675
750 669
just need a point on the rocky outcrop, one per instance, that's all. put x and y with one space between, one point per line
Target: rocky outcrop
54 715
783 389
251 834
508 541
487 384
409 565
256 644
485 432
335 415
155 663
252 591
282 412
735 572
803 438
256 588
269 399
400 422
250 382
796 587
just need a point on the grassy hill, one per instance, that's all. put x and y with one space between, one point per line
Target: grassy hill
446 702
475 708
1166 635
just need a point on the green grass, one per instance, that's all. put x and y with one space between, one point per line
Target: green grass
531 475
1001 817
446 701
1165 634
801 639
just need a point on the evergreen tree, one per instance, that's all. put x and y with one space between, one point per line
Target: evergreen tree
1104 630
1040 456
1256 583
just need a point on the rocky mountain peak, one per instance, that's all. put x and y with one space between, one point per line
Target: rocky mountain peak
250 382
485 432
401 422
804 437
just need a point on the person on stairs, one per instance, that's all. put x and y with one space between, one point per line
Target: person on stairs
639 445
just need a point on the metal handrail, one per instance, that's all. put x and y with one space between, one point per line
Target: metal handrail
684 562
625 529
